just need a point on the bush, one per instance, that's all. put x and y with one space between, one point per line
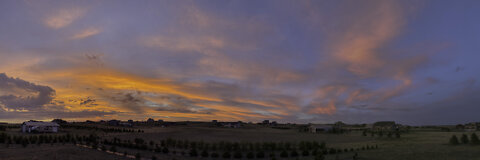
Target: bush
454 140
260 154
319 157
250 155
165 150
284 154
474 139
204 153
294 153
226 155
237 154
193 153
214 155
113 149
138 156
464 139
305 153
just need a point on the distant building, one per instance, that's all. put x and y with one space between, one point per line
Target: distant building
43 127
125 124
274 123
470 127
150 120
113 122
59 121
160 121
232 125
385 125
317 128
266 122
130 121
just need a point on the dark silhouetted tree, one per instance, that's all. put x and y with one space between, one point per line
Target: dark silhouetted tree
250 155
454 140
138 156
226 155
474 139
284 154
464 139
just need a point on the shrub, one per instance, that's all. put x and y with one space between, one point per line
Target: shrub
260 154
113 149
284 154
165 150
294 153
138 156
204 153
226 155
319 157
272 155
305 153
464 139
397 134
250 155
237 154
193 153
454 140
474 139
214 155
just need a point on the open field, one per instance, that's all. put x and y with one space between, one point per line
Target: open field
417 144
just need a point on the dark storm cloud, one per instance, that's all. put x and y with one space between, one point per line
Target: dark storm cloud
20 94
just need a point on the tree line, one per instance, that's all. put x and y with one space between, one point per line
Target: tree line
464 139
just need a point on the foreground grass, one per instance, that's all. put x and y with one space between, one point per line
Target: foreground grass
416 145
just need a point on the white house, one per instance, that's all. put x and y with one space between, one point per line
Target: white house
40 127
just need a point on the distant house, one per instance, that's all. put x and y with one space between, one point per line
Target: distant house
125 124
214 121
59 121
470 127
317 128
43 127
232 124
385 125
130 121
150 121
274 123
266 122
160 121
113 122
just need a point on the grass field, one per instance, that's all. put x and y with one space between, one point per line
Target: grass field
417 144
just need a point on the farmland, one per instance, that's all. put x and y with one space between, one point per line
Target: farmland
249 142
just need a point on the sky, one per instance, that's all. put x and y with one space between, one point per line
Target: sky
413 62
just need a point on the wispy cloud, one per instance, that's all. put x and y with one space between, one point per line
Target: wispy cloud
63 17
86 33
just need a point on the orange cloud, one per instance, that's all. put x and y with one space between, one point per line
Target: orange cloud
358 45
86 33
330 108
63 17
